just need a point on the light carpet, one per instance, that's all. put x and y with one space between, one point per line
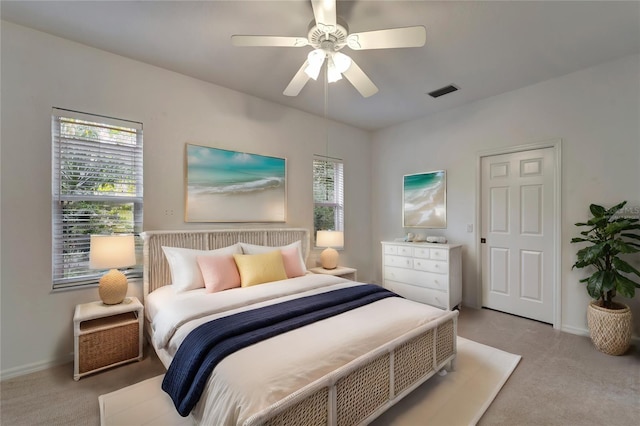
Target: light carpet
458 398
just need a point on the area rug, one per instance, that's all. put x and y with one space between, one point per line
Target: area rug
458 398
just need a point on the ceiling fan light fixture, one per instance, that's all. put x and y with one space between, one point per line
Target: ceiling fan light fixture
327 34
333 74
341 61
315 60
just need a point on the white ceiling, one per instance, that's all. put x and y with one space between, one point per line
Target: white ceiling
484 48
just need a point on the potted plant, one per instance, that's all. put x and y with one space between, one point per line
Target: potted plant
609 235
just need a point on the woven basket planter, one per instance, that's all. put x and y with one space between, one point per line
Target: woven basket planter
610 329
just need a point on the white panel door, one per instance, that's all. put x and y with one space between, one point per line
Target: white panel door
517 249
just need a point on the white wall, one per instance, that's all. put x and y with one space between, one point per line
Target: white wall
40 71
596 113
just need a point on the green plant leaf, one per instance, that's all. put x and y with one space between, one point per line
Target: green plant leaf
594 285
616 227
623 247
590 255
613 210
598 222
623 266
597 210
625 286
579 240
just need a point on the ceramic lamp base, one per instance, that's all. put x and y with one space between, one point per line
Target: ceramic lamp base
113 287
329 258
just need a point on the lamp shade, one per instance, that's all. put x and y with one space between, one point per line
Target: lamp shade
112 251
330 239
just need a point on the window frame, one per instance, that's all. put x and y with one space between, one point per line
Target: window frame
337 202
125 189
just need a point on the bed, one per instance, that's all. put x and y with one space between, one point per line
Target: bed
312 375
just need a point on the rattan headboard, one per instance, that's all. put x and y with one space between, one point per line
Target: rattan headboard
156 269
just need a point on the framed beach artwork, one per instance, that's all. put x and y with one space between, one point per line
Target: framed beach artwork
425 200
231 186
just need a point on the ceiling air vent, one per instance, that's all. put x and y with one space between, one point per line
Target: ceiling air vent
443 91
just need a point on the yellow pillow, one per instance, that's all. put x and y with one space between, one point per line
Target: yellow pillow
260 268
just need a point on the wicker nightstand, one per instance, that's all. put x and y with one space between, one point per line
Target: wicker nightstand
340 271
106 335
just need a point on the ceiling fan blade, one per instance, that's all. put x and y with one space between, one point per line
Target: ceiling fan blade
297 82
325 13
360 80
388 39
268 41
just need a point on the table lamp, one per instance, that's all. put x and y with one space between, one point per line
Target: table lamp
331 240
112 252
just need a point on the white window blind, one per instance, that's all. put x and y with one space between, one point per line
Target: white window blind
97 189
328 195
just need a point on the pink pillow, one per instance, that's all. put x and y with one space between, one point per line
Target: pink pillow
291 260
219 272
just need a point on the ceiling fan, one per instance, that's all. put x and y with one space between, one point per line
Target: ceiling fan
328 34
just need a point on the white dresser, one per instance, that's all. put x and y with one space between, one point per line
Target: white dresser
424 272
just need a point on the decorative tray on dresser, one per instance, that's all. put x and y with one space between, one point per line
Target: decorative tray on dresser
425 272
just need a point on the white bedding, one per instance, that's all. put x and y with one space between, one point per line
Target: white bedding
253 378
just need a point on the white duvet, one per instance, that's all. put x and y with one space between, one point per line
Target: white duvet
253 378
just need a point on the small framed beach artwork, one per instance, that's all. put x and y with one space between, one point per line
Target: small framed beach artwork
230 186
425 200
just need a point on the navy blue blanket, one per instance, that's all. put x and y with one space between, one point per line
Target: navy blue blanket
211 342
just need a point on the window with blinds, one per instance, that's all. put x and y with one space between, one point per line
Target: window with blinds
97 189
328 195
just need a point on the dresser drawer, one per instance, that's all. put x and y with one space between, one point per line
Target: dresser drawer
422 295
405 251
421 252
439 254
398 261
389 249
431 266
435 281
419 279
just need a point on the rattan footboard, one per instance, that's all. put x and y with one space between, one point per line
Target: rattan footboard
366 387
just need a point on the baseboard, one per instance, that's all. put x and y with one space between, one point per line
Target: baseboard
34 367
575 330
585 332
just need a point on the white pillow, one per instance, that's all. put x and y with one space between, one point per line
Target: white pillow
254 249
183 263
